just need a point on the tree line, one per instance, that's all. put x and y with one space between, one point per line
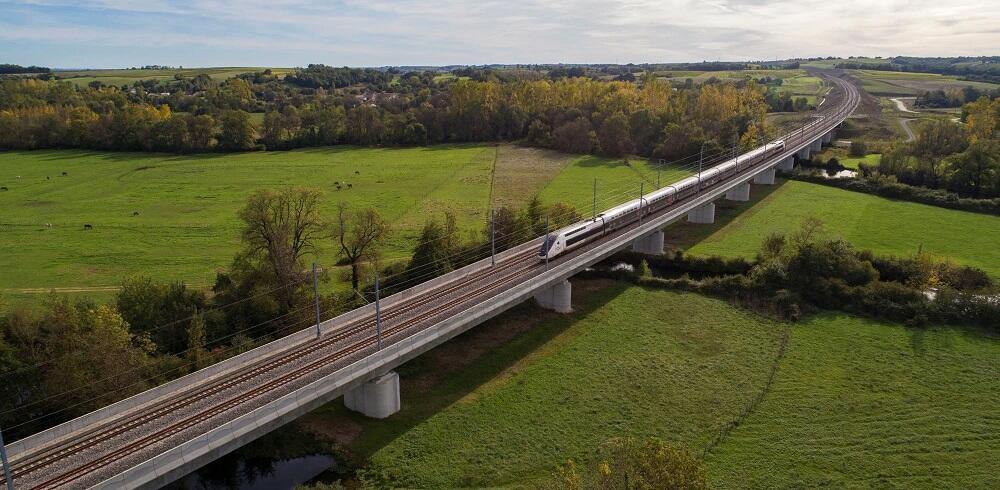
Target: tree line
9 69
648 117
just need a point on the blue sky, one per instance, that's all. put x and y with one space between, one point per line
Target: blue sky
122 33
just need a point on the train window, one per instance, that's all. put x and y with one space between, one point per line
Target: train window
576 230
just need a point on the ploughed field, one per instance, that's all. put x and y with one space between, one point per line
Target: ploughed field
174 217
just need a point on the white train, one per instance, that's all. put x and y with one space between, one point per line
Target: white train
577 234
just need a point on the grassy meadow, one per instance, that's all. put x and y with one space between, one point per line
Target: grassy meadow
485 411
187 226
882 225
858 403
853 403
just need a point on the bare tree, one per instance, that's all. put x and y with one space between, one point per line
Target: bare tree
280 228
359 234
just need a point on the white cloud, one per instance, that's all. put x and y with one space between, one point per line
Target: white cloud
378 32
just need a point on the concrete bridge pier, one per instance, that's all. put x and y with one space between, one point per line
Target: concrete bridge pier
377 398
651 244
704 214
766 177
739 193
559 297
816 145
803 154
827 138
787 164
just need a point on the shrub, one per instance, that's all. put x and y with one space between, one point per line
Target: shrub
858 148
628 464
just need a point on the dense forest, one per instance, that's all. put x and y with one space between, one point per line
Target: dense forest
321 105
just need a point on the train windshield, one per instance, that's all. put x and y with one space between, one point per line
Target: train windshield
549 241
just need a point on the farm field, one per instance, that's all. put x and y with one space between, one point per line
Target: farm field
862 219
187 229
485 411
127 77
858 403
795 82
890 83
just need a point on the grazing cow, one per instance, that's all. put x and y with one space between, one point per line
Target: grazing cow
135 213
48 225
3 188
88 227
64 173
350 186
357 172
47 177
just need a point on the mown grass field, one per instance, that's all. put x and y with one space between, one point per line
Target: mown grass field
882 225
187 227
861 404
483 413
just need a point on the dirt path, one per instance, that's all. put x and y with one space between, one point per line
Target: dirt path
905 123
902 107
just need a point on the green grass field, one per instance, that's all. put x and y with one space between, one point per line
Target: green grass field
127 77
861 404
853 162
854 403
187 228
627 362
882 225
890 83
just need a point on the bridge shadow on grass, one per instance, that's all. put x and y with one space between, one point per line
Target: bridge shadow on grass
490 352
683 235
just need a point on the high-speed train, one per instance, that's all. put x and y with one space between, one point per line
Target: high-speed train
577 234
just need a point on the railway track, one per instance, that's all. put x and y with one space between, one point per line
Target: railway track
38 460
83 458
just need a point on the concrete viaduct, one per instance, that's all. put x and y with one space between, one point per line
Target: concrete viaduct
160 435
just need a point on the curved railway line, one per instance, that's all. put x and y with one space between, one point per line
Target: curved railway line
90 456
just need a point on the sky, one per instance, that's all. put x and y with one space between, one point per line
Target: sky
287 33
